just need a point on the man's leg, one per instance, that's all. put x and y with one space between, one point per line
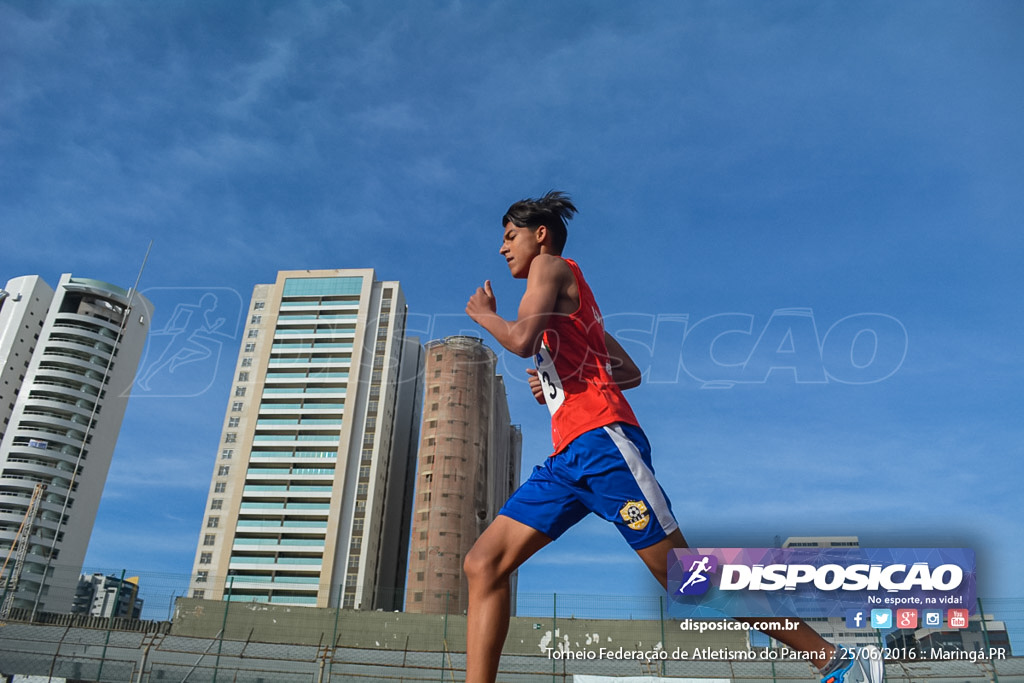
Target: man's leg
501 548
804 638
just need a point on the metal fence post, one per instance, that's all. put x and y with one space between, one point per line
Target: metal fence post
661 618
988 643
223 627
554 631
110 627
334 635
444 635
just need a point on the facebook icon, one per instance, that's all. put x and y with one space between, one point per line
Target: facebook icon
855 618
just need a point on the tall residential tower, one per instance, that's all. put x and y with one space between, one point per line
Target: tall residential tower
468 466
67 362
308 501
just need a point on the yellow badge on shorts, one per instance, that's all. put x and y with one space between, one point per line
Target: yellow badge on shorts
635 514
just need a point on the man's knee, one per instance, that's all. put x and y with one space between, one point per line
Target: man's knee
479 565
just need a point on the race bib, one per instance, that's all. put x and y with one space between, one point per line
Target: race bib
549 380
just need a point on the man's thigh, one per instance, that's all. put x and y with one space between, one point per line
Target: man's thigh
547 501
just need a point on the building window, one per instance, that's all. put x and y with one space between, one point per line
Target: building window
256 320
250 347
213 522
258 305
223 470
216 504
220 487
230 437
205 558
243 377
210 539
237 406
233 421
199 594
253 333
247 362
202 576
239 391
226 454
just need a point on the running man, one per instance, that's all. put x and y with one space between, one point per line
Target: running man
601 461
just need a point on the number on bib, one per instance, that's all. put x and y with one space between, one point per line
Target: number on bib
550 381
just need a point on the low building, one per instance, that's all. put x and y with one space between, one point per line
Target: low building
107 596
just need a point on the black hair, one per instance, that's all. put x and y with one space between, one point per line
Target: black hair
552 211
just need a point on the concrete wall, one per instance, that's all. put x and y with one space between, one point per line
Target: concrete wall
427 632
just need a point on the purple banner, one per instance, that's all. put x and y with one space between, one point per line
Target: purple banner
819 582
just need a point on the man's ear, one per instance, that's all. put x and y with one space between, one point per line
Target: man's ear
541 234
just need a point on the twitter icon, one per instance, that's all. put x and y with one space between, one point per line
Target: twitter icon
881 618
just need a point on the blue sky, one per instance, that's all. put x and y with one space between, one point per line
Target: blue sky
731 160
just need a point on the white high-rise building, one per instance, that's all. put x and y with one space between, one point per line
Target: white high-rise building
67 362
312 485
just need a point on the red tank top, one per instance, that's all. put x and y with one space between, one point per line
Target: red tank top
573 365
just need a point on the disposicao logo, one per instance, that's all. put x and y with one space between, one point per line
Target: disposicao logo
695 578
819 582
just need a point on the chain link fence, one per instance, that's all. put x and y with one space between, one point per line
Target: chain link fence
563 638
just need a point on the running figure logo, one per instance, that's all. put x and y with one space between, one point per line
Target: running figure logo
695 581
182 356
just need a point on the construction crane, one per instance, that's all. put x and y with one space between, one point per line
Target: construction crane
19 549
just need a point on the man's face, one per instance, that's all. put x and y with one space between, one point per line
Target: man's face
519 246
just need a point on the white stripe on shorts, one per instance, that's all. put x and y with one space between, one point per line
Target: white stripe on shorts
644 478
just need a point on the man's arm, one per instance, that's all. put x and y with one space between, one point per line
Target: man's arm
522 336
624 371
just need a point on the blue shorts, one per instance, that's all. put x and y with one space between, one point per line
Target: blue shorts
606 471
